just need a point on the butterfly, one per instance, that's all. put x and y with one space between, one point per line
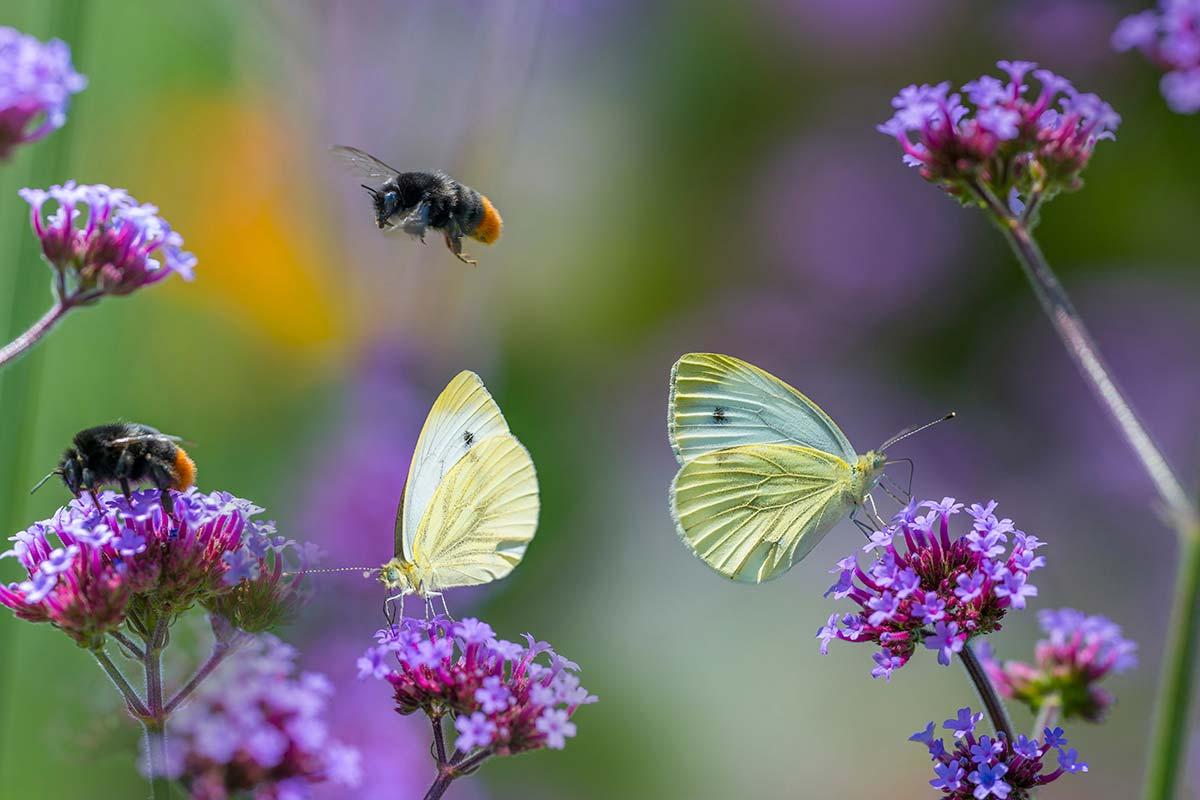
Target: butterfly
470 503
765 472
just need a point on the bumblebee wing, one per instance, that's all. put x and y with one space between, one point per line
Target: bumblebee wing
481 518
751 512
719 401
463 416
364 164
149 437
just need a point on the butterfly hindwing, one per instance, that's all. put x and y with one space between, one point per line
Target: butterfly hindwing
751 512
718 401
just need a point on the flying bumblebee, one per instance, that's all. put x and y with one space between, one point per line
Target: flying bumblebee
415 201
124 453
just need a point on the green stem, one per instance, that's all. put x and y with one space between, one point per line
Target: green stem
1168 743
1170 736
219 652
155 722
1083 351
992 703
34 334
1046 717
132 701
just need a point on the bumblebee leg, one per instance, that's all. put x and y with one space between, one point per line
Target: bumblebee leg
95 500
162 481
125 490
454 244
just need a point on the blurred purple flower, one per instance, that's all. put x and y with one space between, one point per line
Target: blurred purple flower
256 726
934 591
83 571
1072 32
99 241
1170 38
36 84
1078 652
977 768
859 29
1014 143
439 666
812 201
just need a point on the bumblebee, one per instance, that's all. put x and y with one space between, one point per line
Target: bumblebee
124 453
413 202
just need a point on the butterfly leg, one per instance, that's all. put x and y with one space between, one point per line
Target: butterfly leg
873 513
862 526
445 607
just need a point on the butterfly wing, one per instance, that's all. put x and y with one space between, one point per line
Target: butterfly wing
480 519
464 416
364 164
751 512
720 401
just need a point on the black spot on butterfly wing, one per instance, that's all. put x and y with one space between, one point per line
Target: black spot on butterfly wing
468 439
719 416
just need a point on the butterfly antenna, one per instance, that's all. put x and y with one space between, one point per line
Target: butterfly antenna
366 571
42 482
904 434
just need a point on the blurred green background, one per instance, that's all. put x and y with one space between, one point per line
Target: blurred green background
687 176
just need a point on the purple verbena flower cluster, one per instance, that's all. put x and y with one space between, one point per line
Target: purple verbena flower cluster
930 589
36 84
503 699
1008 141
99 241
256 727
85 567
976 768
1170 38
1078 652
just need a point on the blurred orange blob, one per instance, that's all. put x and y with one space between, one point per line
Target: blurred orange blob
234 179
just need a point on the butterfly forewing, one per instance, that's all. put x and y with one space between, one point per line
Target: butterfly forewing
481 517
463 417
719 401
751 512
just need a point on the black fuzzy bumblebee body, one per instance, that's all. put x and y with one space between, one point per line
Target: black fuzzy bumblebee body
414 202
124 454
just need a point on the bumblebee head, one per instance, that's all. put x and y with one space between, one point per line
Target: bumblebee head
69 469
386 202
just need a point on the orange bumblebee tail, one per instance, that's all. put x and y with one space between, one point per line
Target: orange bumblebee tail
184 470
488 229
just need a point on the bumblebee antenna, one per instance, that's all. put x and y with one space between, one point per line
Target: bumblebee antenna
374 192
904 434
42 482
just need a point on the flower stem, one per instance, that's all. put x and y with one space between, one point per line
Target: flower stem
156 721
1170 735
1047 715
440 785
1168 742
134 703
448 772
219 652
35 334
439 740
987 693
1082 349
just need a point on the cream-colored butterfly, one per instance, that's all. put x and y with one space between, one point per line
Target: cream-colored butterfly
766 473
470 504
